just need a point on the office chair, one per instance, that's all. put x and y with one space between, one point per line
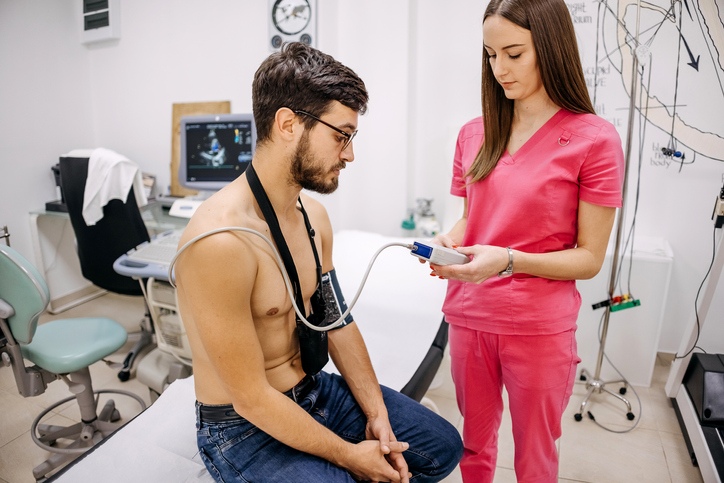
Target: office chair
121 229
57 350
420 381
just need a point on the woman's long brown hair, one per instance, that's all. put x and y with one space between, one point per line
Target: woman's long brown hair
559 63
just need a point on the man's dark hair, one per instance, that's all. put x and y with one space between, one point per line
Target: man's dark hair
301 77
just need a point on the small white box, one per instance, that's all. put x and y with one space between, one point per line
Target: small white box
101 21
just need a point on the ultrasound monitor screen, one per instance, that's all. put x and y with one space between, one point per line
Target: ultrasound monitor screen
215 150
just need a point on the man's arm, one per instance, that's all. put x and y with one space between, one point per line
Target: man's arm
346 345
349 354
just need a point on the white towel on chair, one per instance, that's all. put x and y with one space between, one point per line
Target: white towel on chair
110 177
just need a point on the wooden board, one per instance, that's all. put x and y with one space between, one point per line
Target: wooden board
188 109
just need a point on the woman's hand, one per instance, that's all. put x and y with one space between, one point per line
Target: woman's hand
441 240
485 261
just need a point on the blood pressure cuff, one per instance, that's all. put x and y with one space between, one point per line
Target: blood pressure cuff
334 303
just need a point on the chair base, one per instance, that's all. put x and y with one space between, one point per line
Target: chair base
82 435
158 369
597 386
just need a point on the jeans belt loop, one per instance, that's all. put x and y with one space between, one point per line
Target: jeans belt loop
301 390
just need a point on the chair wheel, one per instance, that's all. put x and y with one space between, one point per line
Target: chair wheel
630 416
622 391
578 416
582 377
116 416
124 375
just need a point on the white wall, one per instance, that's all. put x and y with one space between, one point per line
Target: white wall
45 105
419 61
184 51
419 58
675 202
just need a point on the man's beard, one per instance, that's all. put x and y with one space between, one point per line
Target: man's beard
307 172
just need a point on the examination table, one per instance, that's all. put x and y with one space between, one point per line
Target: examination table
398 313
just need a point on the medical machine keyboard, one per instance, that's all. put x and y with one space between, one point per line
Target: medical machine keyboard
161 249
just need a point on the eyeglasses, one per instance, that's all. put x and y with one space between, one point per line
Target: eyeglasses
348 136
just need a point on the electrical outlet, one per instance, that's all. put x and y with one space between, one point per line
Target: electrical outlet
718 215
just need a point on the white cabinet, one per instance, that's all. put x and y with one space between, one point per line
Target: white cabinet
633 334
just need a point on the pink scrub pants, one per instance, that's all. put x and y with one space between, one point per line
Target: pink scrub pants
538 372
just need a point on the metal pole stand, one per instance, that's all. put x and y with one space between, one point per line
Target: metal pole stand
595 385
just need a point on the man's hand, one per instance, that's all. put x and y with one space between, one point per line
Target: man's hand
379 429
367 462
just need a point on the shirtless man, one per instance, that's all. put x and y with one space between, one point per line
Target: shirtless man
259 417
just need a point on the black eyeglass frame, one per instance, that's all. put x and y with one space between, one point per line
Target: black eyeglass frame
348 136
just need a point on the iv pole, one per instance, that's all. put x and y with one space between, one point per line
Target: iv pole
595 385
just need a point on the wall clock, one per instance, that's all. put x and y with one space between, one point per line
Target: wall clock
292 21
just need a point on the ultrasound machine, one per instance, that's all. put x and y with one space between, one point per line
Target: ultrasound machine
215 150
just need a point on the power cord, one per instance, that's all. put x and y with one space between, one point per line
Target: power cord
696 300
283 269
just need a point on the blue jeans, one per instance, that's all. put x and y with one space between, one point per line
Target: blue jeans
239 451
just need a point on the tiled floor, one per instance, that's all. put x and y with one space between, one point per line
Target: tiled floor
653 452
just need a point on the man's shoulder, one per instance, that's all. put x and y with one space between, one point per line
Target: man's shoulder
222 213
228 207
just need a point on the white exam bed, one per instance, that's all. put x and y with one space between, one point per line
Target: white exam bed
398 314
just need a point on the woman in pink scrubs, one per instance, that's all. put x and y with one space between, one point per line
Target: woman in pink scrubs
541 176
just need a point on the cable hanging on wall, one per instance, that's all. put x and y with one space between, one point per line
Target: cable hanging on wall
646 107
685 139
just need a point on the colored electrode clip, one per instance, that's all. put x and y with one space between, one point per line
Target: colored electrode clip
619 302
671 153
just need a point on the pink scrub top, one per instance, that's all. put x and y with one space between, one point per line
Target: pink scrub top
529 202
